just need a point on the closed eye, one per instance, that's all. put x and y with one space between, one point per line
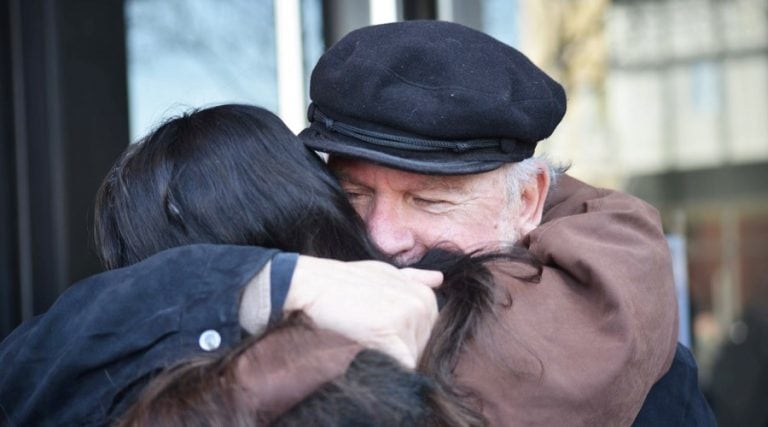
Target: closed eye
432 204
427 201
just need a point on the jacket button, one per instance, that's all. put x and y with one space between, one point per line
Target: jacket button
210 340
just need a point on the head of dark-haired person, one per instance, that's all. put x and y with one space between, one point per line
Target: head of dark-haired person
230 174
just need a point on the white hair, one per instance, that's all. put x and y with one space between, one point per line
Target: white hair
516 176
521 172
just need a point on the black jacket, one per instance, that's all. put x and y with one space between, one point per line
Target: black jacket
77 363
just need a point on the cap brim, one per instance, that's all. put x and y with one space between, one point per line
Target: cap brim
431 163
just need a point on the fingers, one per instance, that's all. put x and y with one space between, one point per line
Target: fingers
371 302
430 278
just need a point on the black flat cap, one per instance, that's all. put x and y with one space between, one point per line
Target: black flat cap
430 97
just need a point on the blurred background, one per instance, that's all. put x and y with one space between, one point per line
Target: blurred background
668 100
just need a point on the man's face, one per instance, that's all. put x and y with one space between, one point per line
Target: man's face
407 213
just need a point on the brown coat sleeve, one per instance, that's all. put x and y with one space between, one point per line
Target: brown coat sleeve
585 344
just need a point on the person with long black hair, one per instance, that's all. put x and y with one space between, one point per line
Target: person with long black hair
175 224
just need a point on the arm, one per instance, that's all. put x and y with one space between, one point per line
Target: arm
108 332
585 344
84 359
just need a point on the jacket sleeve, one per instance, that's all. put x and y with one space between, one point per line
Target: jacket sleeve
584 345
74 364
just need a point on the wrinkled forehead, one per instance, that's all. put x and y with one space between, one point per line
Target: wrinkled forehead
364 172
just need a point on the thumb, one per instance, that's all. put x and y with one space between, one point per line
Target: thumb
431 278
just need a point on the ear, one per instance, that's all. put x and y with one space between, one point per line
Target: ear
532 197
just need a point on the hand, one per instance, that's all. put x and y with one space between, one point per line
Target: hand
376 304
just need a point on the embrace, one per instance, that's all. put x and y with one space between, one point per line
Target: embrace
432 272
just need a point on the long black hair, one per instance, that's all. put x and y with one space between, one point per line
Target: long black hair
231 174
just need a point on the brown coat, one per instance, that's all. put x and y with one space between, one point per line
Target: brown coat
585 344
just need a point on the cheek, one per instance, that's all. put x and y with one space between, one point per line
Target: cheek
469 229
508 226
466 234
430 230
489 226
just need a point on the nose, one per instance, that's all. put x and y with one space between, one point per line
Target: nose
388 227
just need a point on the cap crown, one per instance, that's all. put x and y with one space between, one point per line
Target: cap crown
438 81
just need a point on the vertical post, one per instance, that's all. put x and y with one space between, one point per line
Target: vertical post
382 11
445 10
290 64
64 116
343 16
420 9
722 63
10 310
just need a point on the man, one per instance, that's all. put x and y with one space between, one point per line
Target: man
583 346
431 128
